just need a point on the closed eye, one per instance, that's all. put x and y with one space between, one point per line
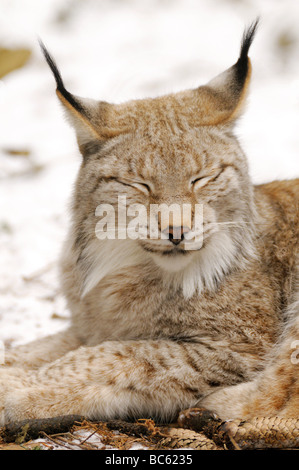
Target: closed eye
198 179
143 187
201 181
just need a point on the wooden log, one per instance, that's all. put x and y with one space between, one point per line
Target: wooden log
28 429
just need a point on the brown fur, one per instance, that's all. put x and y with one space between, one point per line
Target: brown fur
156 328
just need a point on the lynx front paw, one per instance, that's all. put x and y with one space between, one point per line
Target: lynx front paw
229 402
7 380
17 406
38 401
12 380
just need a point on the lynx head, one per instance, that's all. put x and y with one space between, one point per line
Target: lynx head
174 149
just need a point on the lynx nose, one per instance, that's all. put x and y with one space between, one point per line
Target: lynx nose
176 234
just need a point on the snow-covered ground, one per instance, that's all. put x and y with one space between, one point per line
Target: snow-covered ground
116 50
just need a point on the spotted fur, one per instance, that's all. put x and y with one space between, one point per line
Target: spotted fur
156 328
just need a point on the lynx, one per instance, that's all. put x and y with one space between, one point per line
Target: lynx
156 327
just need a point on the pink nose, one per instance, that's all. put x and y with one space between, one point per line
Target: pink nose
176 234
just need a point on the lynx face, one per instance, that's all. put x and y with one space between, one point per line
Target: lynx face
138 346
159 166
177 149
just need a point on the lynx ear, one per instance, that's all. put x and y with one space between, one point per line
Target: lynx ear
222 99
91 119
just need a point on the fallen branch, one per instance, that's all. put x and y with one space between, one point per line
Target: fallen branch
131 429
28 429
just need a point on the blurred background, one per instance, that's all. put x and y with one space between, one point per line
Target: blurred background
116 50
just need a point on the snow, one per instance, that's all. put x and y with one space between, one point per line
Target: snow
73 442
117 50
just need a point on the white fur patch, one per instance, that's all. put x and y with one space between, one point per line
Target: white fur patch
208 266
203 269
172 263
103 257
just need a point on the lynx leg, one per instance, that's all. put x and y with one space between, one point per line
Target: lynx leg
41 351
275 392
115 379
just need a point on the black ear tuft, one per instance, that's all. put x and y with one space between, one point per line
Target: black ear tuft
248 37
53 66
59 82
242 65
